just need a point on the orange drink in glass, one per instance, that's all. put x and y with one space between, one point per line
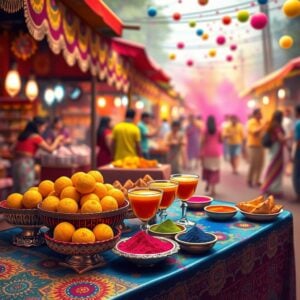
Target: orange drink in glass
169 189
187 184
145 203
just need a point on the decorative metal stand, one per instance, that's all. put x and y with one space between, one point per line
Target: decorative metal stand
81 264
29 237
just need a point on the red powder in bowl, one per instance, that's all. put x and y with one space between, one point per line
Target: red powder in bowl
143 243
199 199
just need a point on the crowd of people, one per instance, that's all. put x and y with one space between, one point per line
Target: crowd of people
194 144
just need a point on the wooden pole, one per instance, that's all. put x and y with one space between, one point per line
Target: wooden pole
93 122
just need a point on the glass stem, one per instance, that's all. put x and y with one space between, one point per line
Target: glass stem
183 209
163 214
145 226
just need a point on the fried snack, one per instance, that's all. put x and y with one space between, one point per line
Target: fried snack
262 208
140 183
128 184
245 206
147 178
271 202
256 201
277 208
125 191
117 184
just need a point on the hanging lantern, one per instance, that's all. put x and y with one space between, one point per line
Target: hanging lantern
205 36
221 40
189 63
13 82
243 16
291 8
152 11
172 56
286 42
202 2
212 52
192 23
229 58
31 89
180 45
199 32
233 47
49 96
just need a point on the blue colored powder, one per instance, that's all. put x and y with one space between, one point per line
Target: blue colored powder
196 235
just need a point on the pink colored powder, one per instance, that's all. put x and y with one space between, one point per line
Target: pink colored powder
199 199
143 243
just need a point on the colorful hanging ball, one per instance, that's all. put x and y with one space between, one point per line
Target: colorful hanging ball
202 2
192 23
291 8
259 21
212 52
189 63
199 32
205 36
172 56
243 16
229 58
233 47
226 20
152 12
180 45
176 16
221 40
262 2
286 42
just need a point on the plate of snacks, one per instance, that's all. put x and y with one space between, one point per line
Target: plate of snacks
220 212
195 240
167 229
143 249
260 209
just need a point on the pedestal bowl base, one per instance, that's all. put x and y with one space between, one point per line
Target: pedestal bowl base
29 237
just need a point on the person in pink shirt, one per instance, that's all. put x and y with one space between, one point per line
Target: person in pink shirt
211 152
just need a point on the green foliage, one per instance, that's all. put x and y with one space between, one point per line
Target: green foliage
151 34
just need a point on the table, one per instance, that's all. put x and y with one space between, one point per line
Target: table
53 172
250 261
110 173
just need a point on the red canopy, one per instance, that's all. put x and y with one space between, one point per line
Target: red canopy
140 60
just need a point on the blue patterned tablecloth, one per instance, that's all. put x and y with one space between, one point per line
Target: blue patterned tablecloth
250 261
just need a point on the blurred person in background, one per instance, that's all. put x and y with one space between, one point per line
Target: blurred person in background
288 127
296 163
175 140
193 135
273 177
126 137
57 128
234 136
224 126
29 141
104 141
143 126
256 151
211 152
164 128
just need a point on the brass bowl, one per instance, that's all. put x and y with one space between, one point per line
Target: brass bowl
21 217
78 249
196 248
112 218
168 235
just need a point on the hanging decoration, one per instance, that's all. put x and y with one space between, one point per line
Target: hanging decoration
180 45
203 2
243 16
221 40
291 8
189 62
23 46
233 47
31 89
199 32
172 56
226 20
212 52
152 11
78 43
12 82
262 2
229 58
176 16
11 6
205 36
192 23
259 21
286 42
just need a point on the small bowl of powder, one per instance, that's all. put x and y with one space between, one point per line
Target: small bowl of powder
195 240
167 229
198 202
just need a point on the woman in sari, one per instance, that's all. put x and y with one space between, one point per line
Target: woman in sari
273 177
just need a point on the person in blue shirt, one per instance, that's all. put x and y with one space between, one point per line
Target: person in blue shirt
145 134
296 167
